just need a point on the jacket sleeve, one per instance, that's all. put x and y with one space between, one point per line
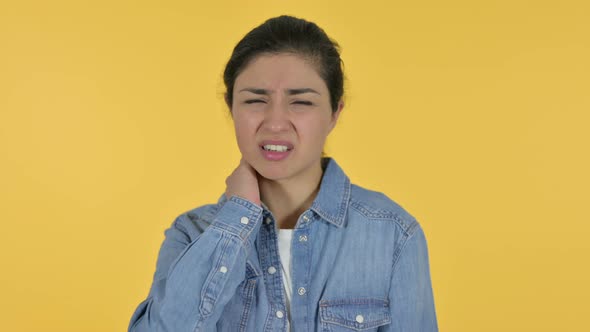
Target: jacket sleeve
195 280
410 295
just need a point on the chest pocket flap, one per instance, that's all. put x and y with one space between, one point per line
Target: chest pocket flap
357 314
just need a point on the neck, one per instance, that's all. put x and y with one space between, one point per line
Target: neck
287 199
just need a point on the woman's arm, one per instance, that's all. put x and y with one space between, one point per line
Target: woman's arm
410 295
194 281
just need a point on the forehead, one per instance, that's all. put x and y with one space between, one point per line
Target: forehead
280 71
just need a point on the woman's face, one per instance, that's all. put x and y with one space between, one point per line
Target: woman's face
282 115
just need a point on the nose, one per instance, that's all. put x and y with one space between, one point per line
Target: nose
277 118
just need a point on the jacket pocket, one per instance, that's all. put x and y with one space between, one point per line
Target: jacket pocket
354 314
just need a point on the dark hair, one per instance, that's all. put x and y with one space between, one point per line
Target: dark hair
288 34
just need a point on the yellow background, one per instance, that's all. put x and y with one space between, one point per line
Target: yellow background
473 115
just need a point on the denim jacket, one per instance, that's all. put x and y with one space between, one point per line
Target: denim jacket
359 262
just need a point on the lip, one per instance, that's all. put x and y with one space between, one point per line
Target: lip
275 155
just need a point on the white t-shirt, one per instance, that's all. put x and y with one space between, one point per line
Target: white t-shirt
284 237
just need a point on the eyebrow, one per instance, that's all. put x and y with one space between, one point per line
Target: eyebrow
289 91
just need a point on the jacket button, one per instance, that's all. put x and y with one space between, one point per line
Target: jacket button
280 314
302 238
223 269
360 318
244 220
301 291
267 220
272 270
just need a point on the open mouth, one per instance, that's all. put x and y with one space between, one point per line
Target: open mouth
276 148
275 152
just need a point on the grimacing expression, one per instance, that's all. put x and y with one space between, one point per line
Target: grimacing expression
281 97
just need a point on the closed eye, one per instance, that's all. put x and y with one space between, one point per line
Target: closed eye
301 102
252 101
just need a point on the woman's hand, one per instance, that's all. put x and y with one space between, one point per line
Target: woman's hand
243 182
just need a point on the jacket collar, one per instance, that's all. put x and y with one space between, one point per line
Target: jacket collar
331 202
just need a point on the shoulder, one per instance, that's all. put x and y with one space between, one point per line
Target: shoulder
194 221
374 205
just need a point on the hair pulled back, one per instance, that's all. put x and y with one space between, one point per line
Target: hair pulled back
288 34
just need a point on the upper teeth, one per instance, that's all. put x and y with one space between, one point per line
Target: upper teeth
280 148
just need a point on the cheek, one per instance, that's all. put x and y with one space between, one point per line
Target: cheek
241 135
245 132
314 132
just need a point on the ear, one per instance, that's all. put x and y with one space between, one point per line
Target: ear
336 115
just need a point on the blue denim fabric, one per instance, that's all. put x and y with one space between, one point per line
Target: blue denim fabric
361 259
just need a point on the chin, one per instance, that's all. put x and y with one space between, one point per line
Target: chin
274 173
